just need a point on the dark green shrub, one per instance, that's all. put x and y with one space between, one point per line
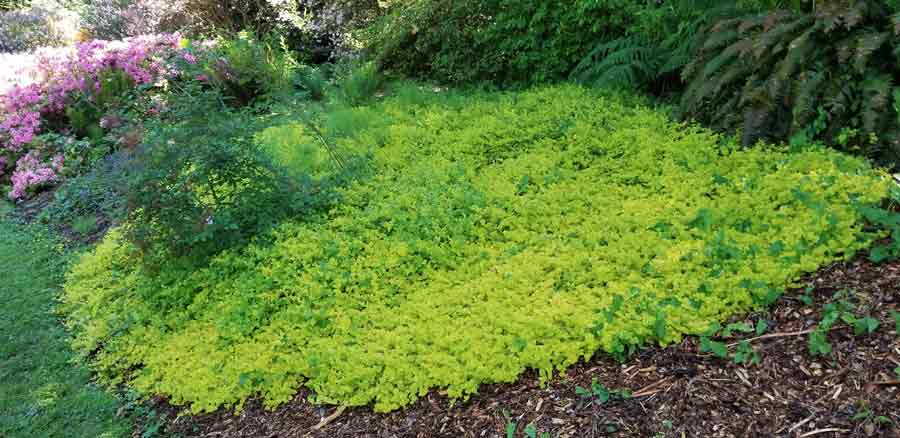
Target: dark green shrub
520 42
200 184
358 85
312 81
510 42
246 68
827 75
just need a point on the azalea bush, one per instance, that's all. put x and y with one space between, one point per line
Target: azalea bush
101 90
70 93
494 233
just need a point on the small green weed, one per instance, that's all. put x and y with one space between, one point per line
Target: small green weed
806 298
744 352
889 220
861 415
531 432
839 310
601 394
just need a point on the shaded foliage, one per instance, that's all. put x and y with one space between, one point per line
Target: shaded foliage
826 75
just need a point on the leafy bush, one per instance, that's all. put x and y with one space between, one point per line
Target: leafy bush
657 41
246 68
496 233
828 75
519 42
511 42
199 183
101 87
359 84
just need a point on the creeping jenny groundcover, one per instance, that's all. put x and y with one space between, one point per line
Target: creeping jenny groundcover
497 232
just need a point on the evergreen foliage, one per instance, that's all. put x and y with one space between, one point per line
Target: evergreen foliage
826 75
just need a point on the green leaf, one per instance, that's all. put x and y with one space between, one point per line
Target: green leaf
582 392
818 343
511 429
866 325
713 329
761 327
659 327
879 254
717 348
601 392
531 431
806 299
736 327
896 315
522 187
862 415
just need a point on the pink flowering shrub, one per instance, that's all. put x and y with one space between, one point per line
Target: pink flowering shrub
32 172
89 91
60 80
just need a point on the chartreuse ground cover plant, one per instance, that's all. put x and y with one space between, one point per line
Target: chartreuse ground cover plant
492 233
42 393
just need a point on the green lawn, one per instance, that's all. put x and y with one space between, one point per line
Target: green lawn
43 392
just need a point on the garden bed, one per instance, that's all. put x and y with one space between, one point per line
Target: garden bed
493 234
677 391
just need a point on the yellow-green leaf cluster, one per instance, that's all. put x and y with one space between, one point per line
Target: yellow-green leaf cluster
496 233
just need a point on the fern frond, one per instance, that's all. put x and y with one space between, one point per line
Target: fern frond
727 56
866 45
720 39
621 62
725 109
779 38
877 93
806 96
801 50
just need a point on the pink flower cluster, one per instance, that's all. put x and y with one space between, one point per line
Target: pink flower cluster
57 77
32 172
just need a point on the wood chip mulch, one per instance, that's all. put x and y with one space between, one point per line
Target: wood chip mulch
677 391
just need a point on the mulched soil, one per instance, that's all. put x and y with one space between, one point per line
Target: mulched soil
677 391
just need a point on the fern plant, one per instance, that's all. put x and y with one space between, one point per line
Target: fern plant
826 75
657 43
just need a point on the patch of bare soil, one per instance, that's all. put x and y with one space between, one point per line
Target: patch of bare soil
677 391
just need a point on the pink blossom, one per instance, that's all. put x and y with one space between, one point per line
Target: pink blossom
31 173
59 77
